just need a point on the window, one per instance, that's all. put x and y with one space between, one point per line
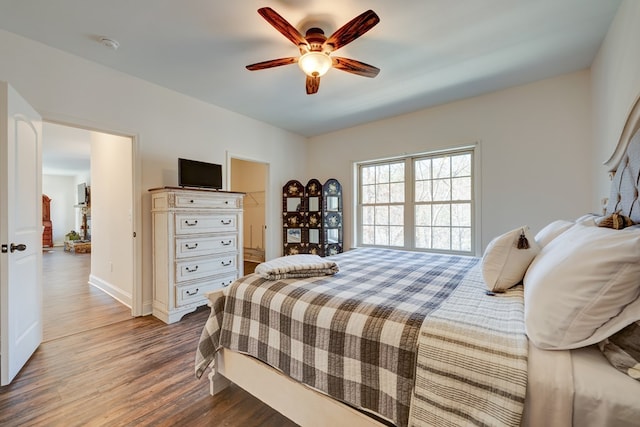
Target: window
421 202
383 195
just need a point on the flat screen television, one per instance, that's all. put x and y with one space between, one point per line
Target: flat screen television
82 194
193 173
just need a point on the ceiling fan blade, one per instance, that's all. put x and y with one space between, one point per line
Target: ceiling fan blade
353 29
282 25
355 67
313 84
272 63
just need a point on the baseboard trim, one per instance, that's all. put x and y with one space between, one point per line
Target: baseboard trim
106 287
147 308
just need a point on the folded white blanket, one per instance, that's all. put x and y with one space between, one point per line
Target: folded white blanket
296 266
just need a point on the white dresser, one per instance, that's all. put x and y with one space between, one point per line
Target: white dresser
197 247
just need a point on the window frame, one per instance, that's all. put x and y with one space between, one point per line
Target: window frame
410 203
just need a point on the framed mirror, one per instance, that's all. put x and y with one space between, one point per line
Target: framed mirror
294 235
314 236
294 204
333 203
333 235
314 204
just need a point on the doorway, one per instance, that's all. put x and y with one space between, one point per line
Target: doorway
250 177
99 270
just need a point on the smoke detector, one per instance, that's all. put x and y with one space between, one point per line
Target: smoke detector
109 42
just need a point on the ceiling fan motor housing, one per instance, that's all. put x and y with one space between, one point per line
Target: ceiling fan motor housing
316 38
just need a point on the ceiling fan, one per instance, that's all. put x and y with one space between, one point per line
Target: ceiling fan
315 48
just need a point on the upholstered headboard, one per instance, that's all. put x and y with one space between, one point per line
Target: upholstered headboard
625 162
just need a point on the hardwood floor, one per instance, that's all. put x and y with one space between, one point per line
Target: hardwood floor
131 372
70 304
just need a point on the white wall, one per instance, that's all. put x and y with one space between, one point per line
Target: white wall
535 143
167 125
62 191
111 215
615 87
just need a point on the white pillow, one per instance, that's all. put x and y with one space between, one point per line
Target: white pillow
588 219
551 231
503 264
579 284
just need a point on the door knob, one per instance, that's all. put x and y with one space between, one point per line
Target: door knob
21 247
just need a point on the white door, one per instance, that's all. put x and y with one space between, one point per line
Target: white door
20 232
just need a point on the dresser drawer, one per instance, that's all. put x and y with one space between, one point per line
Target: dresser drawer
199 246
205 223
205 201
196 293
193 269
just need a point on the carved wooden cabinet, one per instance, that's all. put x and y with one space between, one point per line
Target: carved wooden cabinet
312 217
47 226
197 247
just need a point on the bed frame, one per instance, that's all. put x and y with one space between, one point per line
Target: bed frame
631 126
308 407
299 403
624 168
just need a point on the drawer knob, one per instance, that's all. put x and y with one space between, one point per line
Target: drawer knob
226 264
188 246
191 201
226 243
192 293
191 224
227 222
226 202
191 270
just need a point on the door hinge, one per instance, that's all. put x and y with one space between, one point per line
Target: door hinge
5 249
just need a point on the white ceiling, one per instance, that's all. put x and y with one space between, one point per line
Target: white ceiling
429 51
65 150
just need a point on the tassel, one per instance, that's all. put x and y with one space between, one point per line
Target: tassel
523 243
616 221
621 221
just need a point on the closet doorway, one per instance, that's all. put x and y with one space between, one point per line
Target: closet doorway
90 282
250 177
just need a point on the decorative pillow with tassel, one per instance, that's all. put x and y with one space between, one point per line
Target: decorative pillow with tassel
507 257
615 221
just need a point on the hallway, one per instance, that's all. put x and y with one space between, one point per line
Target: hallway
70 304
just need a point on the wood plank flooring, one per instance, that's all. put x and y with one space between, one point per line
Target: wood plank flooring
131 372
70 304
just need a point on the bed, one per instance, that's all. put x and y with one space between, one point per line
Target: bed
359 335
403 338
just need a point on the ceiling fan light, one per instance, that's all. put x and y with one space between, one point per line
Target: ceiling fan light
315 64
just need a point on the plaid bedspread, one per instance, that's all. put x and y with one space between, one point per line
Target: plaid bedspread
352 336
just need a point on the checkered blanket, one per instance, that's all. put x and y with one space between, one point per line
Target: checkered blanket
352 336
